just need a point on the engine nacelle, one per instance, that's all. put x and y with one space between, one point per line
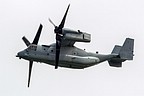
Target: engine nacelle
77 36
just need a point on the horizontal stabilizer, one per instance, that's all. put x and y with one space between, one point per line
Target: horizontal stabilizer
115 64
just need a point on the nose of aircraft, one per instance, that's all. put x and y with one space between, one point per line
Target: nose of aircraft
20 54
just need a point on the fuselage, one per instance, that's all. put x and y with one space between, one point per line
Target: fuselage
70 57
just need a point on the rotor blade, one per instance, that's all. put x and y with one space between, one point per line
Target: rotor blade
57 54
52 22
36 39
58 45
64 18
25 40
30 69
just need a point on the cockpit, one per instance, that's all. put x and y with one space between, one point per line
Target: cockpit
32 47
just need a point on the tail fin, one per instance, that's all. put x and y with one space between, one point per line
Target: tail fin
116 49
124 52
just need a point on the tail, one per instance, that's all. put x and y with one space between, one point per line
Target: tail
124 53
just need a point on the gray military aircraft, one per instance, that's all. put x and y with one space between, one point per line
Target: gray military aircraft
63 53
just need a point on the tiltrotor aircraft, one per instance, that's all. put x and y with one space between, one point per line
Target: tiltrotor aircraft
63 53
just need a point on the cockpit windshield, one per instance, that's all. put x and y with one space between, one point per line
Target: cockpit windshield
32 47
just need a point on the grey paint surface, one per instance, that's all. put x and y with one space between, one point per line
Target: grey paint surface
73 57
116 19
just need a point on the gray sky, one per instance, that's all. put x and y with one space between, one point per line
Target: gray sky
108 21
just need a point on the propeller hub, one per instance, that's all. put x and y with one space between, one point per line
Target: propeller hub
58 30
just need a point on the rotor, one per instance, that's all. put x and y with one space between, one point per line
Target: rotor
35 42
59 35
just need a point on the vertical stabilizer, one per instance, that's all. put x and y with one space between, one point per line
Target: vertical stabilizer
126 51
116 49
123 53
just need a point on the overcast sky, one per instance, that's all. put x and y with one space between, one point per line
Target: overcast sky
108 21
